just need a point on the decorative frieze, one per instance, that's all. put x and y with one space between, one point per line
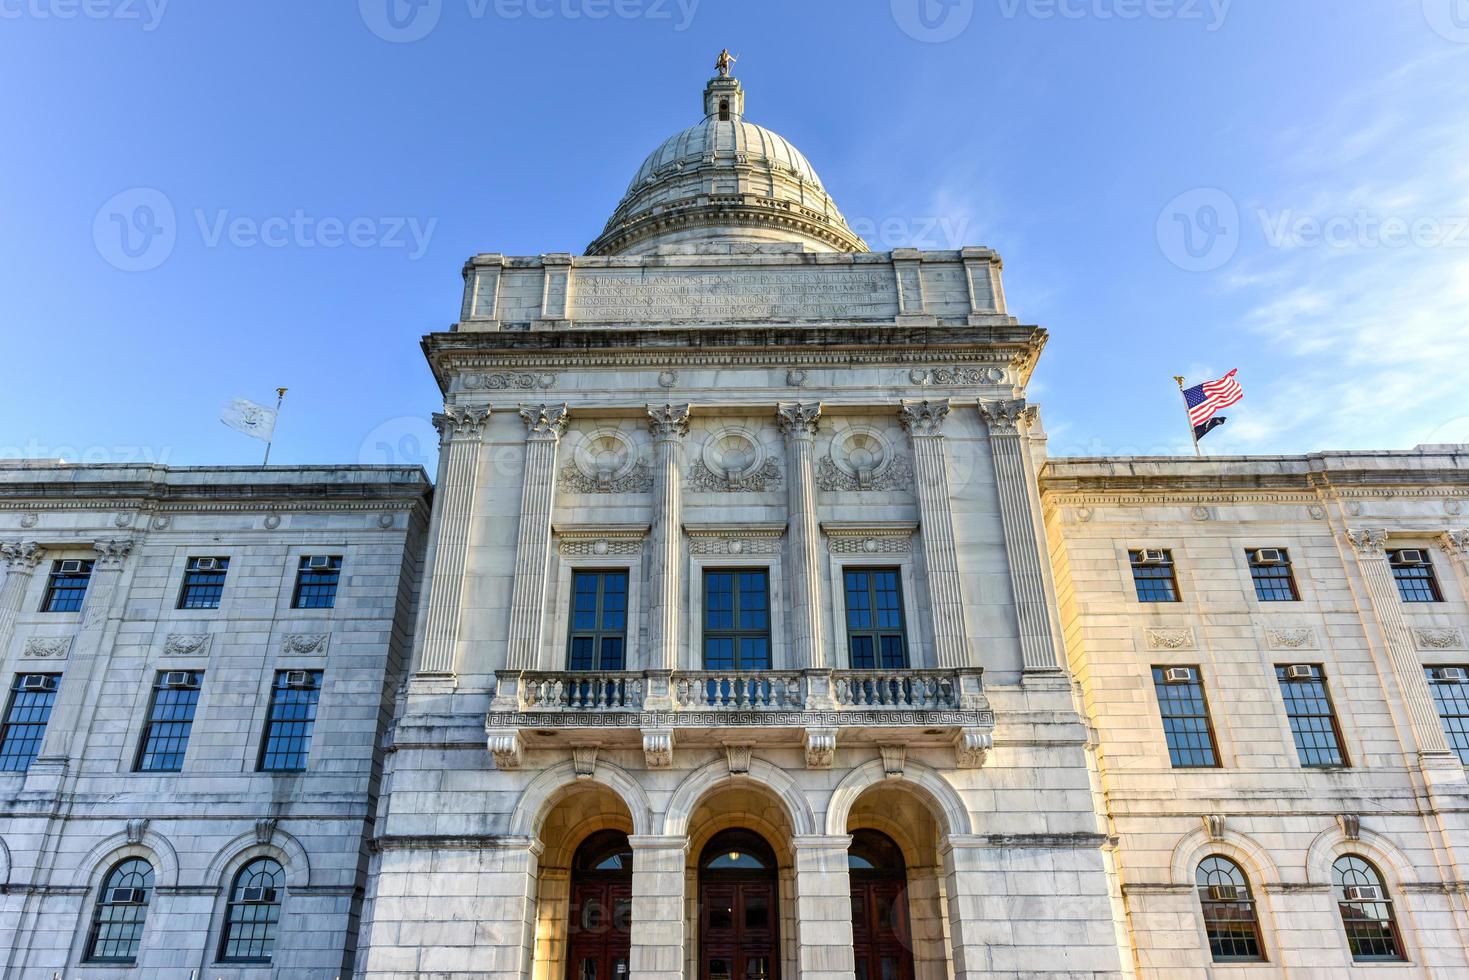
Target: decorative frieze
600 540
951 376
522 380
303 644
869 537
187 644
1163 638
47 647
1438 638
1291 638
735 539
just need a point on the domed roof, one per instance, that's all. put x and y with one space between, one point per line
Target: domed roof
725 180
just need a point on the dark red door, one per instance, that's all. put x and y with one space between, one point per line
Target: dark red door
599 940
737 940
880 934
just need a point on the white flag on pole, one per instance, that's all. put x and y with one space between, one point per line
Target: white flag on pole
245 416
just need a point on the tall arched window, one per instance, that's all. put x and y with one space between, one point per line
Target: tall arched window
1366 910
1230 919
254 909
122 909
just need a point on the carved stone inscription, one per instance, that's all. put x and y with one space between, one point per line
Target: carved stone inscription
709 295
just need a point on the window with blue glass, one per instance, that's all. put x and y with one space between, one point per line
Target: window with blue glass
1450 687
1413 572
203 583
31 699
1312 717
170 721
737 619
1186 725
66 587
316 582
598 621
291 720
875 637
120 913
1153 575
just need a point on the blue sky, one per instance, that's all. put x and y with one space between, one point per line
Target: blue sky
1177 186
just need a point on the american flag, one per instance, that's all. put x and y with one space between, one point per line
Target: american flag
1208 398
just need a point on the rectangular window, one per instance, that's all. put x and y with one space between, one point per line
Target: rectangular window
292 719
1270 569
875 619
203 583
1152 573
67 585
31 698
170 719
1414 575
598 621
1185 717
1312 717
316 582
737 619
1450 686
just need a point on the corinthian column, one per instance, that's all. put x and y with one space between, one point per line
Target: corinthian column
924 421
544 425
21 559
798 422
1006 421
1455 545
669 424
1382 591
460 433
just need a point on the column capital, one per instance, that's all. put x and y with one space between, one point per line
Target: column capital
1368 542
544 423
112 553
669 421
798 420
1455 543
456 422
1007 416
21 556
924 418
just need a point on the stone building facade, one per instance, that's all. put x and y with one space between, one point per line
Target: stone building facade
748 632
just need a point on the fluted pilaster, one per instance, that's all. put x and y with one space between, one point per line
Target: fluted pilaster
1382 590
798 422
924 421
669 425
461 432
20 559
1007 421
544 425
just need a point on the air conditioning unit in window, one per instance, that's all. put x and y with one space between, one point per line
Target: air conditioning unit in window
72 566
299 678
1225 893
1300 672
1269 556
1152 556
178 678
257 896
1179 675
319 561
1363 893
206 564
1451 675
1410 556
125 896
38 682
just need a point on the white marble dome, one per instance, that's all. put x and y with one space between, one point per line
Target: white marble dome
725 180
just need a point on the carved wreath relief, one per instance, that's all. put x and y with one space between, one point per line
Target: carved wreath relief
733 461
862 459
606 461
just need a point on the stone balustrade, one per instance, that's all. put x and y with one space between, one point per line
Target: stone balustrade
739 690
896 689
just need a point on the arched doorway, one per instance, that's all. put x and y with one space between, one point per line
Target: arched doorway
599 936
881 938
738 908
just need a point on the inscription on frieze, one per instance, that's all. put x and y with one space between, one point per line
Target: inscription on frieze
638 295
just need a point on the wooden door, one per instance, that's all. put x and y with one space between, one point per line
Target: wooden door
599 938
738 933
880 936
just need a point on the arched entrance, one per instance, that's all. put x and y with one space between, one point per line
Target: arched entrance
881 938
738 908
599 937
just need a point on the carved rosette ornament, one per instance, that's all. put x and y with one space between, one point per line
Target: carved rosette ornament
924 418
461 423
544 423
21 555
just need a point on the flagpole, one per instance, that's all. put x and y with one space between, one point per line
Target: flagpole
1193 433
280 396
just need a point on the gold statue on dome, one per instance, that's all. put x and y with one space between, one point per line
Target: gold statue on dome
724 62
